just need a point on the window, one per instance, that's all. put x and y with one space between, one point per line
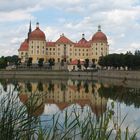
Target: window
75 54
79 50
37 51
32 46
87 54
21 53
87 50
46 48
96 48
96 53
101 48
43 47
83 54
38 47
75 49
58 49
53 53
53 49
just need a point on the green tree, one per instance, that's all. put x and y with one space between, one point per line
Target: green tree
79 65
93 63
3 62
40 62
29 61
86 64
40 86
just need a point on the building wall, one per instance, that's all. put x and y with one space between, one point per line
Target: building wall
23 55
99 49
37 49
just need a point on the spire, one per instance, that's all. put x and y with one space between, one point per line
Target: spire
99 28
30 29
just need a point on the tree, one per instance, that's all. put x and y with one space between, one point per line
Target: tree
93 63
3 62
79 65
29 61
51 62
40 62
40 86
86 64
29 86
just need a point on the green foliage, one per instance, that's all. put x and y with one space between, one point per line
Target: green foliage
9 60
79 65
51 62
15 122
86 64
3 62
29 61
40 62
121 60
40 86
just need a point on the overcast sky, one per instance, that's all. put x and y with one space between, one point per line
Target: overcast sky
120 21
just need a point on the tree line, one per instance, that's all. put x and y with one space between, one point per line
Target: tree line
129 60
9 60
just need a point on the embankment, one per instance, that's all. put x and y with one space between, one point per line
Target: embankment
57 74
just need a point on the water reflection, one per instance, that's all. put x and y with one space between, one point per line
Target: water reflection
63 94
37 95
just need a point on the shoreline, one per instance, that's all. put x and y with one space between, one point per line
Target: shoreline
64 74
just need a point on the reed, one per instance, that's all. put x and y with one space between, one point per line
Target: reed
16 123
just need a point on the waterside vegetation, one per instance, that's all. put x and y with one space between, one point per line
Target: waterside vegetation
17 121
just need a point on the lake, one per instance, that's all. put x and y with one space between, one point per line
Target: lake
81 96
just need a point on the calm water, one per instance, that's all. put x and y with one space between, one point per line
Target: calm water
56 96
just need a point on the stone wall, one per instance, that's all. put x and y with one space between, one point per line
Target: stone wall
56 74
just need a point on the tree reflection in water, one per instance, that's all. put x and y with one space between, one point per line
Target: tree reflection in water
84 94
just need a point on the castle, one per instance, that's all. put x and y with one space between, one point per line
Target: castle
36 47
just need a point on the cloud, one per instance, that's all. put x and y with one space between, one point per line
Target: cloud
119 20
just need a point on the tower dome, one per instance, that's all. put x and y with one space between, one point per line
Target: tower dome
99 36
37 34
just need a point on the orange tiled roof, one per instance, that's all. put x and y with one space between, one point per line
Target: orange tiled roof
50 44
24 46
64 39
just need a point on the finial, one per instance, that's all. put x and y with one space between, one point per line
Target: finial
37 25
99 28
83 36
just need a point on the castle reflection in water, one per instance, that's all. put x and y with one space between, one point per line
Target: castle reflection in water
63 94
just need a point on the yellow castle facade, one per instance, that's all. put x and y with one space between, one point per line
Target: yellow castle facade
36 47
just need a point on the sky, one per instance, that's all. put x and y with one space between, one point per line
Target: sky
119 20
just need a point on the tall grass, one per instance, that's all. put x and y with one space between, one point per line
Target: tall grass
18 123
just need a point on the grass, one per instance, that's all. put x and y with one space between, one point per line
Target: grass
16 123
